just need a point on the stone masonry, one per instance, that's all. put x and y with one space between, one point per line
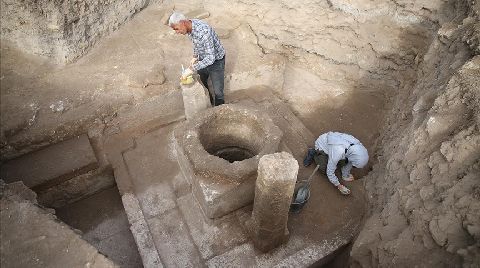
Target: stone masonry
168 219
277 174
52 165
218 152
195 99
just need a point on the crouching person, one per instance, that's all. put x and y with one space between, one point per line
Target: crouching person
334 149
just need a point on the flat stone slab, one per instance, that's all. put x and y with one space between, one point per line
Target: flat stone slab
53 164
212 237
76 188
172 239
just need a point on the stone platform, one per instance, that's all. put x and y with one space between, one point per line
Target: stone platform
52 165
218 152
168 223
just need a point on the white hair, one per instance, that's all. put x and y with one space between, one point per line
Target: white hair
175 18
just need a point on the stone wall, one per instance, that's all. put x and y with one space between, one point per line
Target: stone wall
63 30
424 193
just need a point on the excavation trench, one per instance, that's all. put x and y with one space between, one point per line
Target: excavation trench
102 220
193 183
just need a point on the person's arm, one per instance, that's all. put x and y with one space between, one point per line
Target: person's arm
208 52
346 169
195 51
333 157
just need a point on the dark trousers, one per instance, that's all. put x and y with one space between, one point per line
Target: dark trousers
321 158
216 72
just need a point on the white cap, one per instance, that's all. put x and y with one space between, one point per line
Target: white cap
175 18
358 155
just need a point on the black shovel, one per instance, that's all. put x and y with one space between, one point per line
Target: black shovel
302 193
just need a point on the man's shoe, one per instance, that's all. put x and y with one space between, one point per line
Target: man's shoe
309 157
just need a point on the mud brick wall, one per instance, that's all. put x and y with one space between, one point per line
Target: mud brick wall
63 29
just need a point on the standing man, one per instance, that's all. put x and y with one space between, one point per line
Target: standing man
335 148
208 53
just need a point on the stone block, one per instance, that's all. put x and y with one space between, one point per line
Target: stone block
219 150
120 247
53 164
240 256
114 147
76 188
156 199
195 99
212 237
132 208
277 175
150 167
181 186
146 246
172 240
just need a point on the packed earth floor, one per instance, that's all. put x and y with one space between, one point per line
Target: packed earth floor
379 70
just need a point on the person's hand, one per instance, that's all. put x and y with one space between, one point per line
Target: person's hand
187 72
349 178
193 61
344 190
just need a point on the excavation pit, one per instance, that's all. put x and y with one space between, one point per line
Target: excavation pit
219 152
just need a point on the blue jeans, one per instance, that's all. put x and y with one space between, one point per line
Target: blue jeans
216 72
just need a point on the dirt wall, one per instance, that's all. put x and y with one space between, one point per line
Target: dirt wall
424 193
63 29
336 46
424 190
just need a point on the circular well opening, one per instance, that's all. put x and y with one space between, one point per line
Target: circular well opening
233 138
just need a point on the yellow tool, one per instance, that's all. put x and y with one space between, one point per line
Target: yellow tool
186 80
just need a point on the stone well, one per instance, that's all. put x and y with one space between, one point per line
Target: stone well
218 152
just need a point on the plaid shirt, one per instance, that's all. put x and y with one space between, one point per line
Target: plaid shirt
206 45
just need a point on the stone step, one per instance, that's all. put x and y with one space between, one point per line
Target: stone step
52 165
142 204
77 188
173 241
